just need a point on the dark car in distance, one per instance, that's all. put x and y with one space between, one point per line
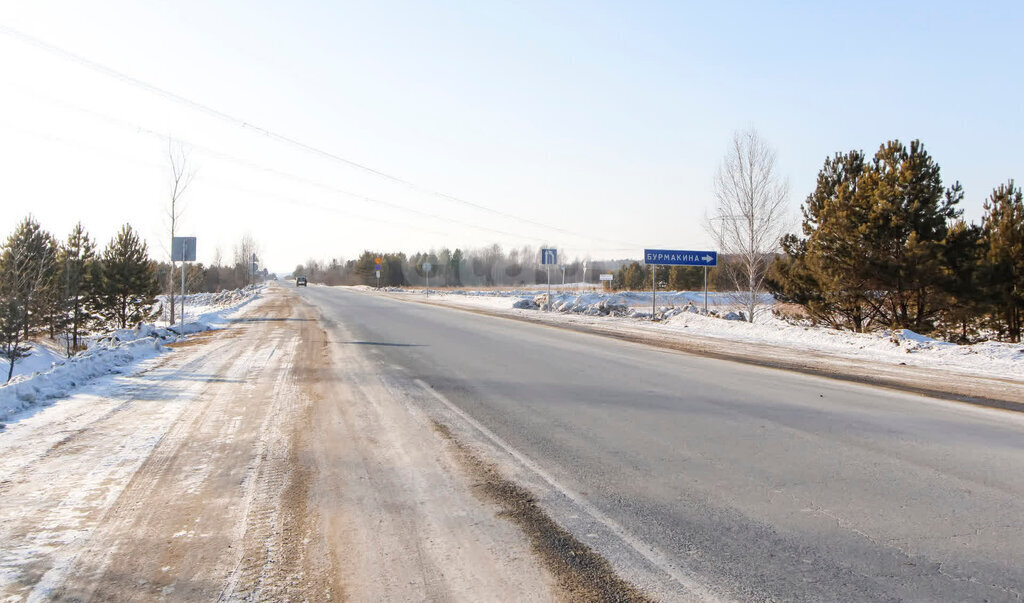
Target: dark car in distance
300 281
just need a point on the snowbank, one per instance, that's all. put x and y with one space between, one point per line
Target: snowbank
111 353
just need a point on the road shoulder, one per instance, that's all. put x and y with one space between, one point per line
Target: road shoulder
990 392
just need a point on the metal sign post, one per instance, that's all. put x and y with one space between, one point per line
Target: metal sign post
705 289
654 287
184 250
549 257
681 257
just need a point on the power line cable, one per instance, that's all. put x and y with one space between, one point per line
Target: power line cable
280 137
139 129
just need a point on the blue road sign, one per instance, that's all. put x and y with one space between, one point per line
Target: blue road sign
548 256
680 257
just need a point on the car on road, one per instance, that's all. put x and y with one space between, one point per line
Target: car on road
300 281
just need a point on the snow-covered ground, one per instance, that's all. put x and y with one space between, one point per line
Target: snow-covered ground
681 314
47 375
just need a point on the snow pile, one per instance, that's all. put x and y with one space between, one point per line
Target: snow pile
204 304
104 358
110 353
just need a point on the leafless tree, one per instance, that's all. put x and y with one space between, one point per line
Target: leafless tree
181 177
244 250
750 214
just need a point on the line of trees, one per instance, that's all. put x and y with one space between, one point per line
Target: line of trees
64 288
884 245
485 267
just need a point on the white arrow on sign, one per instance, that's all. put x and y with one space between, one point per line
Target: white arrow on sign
707 258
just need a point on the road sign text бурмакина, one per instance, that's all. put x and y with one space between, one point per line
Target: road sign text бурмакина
680 257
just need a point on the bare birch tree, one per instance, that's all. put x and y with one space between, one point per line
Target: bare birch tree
180 178
750 215
245 249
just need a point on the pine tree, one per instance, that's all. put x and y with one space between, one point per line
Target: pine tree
686 278
26 277
963 255
129 285
455 268
77 280
1003 241
875 241
905 226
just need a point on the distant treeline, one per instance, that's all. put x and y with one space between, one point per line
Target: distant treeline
487 267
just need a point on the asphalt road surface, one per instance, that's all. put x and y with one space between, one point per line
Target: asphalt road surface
754 483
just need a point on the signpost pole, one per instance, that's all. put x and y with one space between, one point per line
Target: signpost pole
547 258
182 289
705 289
654 287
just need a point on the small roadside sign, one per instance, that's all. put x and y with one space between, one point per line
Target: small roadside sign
378 273
427 266
548 257
607 277
183 249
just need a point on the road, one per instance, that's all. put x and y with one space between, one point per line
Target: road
699 477
260 463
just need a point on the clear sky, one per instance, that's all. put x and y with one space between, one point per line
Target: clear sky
599 124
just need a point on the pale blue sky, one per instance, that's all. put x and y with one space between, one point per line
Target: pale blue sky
603 119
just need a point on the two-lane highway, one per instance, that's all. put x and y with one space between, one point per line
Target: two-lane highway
758 483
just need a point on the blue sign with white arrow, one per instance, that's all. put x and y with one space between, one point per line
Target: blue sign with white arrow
680 257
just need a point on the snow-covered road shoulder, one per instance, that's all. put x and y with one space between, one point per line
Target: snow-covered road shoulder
115 352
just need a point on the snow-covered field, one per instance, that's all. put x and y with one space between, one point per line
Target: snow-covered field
47 375
680 313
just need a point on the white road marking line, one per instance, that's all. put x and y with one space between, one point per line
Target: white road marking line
652 555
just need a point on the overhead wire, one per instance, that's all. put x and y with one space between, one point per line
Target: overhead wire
201 107
139 129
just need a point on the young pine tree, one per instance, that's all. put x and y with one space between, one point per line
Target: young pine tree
129 284
77 281
1003 240
26 275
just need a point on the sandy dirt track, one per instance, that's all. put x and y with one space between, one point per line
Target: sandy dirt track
265 462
